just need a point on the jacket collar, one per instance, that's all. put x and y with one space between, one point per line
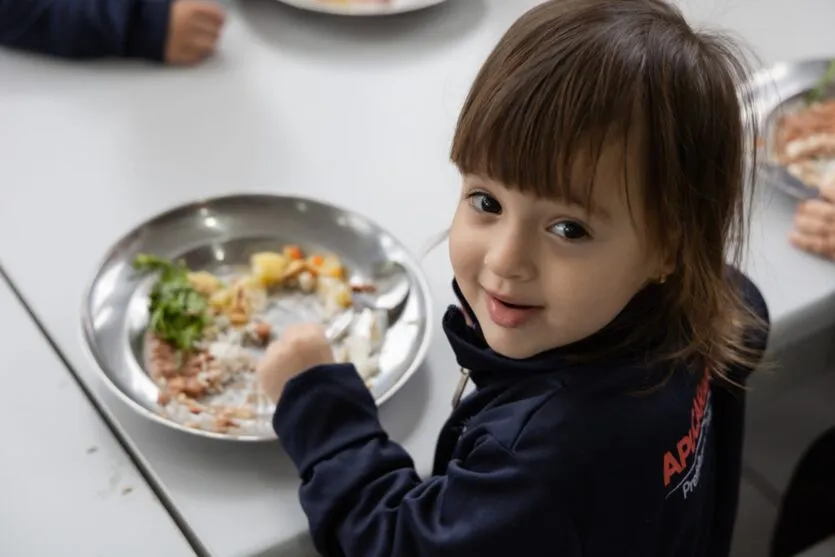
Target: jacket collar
485 365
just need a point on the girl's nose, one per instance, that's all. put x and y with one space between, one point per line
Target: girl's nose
510 255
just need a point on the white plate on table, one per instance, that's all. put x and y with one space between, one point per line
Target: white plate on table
362 7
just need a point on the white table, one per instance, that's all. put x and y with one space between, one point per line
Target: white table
68 487
359 113
824 549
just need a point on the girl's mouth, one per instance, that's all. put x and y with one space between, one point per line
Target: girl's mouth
514 306
509 315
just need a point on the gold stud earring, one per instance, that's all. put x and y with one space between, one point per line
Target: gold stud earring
662 279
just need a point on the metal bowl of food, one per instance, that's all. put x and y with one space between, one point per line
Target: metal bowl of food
794 104
180 309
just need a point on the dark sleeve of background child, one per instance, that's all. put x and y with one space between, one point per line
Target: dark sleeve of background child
363 497
86 28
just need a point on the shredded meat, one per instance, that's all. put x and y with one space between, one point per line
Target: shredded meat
804 142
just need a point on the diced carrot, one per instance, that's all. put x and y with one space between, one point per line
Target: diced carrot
293 252
317 260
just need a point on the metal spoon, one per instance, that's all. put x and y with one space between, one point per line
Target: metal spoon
392 290
779 177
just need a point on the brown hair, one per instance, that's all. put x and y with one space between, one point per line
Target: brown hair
572 75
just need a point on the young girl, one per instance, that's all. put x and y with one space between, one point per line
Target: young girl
602 151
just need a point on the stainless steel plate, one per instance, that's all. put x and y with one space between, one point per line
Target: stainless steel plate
776 91
214 234
362 8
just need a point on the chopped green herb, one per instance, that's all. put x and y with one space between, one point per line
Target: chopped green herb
819 91
179 314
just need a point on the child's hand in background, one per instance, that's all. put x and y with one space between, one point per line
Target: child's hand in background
300 348
193 30
814 226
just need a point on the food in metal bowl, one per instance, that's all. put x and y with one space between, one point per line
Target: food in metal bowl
804 138
206 332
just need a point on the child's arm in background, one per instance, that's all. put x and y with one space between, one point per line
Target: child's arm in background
181 32
86 28
814 224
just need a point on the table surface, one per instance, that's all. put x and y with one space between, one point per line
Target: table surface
66 481
823 549
357 112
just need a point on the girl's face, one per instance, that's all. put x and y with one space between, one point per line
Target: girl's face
540 274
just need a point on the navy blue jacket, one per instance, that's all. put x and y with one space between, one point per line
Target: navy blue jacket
546 457
86 28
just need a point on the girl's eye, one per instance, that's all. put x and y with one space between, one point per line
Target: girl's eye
570 230
485 203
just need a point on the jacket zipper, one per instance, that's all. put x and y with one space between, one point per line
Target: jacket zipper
459 390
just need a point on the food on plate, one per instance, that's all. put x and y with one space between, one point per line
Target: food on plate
178 312
206 331
804 139
346 2
804 142
205 283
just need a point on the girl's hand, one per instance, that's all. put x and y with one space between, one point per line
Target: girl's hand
814 225
193 29
300 348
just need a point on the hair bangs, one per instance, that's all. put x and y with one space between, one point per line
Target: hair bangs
538 122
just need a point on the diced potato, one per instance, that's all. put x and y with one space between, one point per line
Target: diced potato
342 295
331 266
204 282
328 265
220 299
268 268
335 272
339 294
335 295
249 283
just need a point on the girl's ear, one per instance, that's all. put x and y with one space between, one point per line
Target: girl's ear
666 267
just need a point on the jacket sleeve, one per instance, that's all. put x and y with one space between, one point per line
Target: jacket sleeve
363 497
86 28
